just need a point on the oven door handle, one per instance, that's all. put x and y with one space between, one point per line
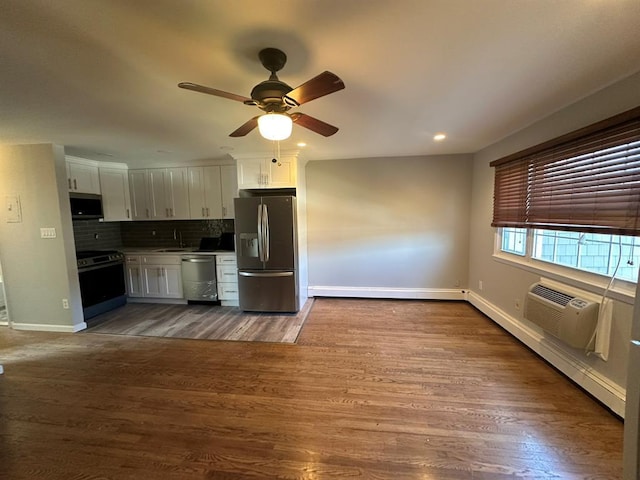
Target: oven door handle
102 265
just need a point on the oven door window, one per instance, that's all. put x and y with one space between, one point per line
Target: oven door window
101 284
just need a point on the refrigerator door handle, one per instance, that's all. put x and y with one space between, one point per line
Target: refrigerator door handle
260 234
267 237
265 274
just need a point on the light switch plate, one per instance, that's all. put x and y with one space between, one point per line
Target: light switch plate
48 232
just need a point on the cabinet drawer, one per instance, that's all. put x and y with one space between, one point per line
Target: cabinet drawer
227 273
132 259
228 291
226 260
162 260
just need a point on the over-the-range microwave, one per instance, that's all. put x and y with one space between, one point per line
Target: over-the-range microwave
85 205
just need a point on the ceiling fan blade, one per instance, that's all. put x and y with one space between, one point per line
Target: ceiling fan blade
318 86
313 124
245 128
212 91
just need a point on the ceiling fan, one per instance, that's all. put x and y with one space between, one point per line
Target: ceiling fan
276 98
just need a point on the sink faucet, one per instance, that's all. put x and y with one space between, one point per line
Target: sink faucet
178 236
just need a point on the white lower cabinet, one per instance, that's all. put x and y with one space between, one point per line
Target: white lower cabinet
133 275
154 276
227 278
160 277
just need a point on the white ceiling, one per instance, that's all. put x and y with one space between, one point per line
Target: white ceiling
100 76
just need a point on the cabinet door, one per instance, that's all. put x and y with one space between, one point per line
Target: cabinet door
212 192
116 201
229 188
177 189
196 192
152 281
83 178
138 187
172 281
250 174
134 280
281 172
157 193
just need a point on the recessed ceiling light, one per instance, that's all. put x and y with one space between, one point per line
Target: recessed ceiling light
438 137
301 144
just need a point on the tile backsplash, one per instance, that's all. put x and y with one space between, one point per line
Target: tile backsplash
168 233
96 235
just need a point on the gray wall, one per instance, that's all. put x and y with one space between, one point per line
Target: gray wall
503 283
38 273
391 223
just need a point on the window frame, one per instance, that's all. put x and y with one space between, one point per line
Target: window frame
622 290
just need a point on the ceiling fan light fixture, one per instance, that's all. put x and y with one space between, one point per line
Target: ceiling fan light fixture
275 126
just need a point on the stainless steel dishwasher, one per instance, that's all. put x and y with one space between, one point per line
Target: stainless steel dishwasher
199 278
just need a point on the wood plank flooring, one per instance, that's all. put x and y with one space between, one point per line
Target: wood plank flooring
202 322
373 389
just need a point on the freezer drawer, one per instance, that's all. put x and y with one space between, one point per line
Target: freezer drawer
268 291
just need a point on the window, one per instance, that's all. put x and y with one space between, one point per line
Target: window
574 201
603 254
585 181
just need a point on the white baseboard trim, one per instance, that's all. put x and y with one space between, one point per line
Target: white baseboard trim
386 292
609 393
41 327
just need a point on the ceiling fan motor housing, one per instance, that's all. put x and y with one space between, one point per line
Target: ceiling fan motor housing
269 95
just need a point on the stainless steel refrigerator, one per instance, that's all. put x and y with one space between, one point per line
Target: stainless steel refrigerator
266 247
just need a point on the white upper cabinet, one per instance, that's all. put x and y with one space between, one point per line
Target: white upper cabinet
82 175
116 200
139 197
205 194
159 194
229 187
267 172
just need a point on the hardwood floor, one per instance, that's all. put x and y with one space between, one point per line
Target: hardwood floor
374 389
203 322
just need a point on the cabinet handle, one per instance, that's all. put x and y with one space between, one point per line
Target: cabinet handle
171 212
203 211
69 183
75 184
224 211
166 212
147 210
128 215
207 211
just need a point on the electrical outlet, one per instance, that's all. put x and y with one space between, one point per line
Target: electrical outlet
480 285
65 303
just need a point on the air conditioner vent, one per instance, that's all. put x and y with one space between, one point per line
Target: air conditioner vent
554 296
571 318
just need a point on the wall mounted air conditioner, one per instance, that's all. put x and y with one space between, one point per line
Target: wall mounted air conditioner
565 313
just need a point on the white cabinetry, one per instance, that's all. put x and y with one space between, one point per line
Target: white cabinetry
133 268
116 201
205 196
159 193
229 187
154 276
267 172
227 278
82 175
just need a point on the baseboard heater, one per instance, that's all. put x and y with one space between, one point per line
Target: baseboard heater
565 313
